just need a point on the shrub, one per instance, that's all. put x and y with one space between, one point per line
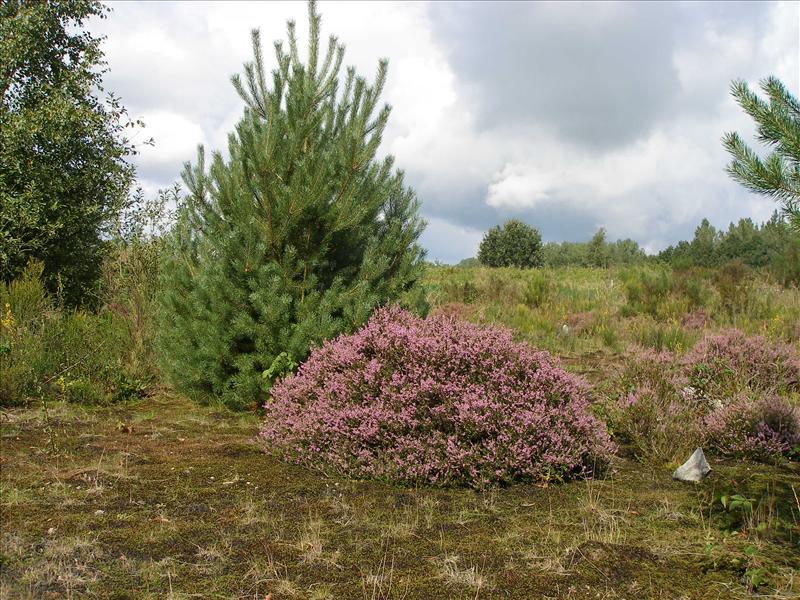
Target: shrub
696 319
725 363
460 291
734 283
131 270
500 288
691 284
537 290
515 244
81 391
647 368
46 350
438 401
609 336
669 336
657 426
758 428
646 290
724 393
650 409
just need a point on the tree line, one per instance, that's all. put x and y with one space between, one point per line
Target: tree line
773 244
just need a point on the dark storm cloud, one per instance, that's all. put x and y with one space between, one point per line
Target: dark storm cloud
599 75
558 220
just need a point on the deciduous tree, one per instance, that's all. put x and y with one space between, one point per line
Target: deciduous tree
64 170
515 244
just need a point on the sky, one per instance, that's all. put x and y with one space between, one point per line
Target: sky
570 116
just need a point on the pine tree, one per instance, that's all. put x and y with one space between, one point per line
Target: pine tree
778 121
295 238
597 253
704 245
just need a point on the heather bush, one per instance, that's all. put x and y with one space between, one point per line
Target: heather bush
728 393
646 368
762 427
725 363
438 401
696 319
657 426
651 410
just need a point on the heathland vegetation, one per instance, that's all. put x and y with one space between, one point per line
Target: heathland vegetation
268 392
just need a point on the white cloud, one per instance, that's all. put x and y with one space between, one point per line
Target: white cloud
453 241
177 139
171 64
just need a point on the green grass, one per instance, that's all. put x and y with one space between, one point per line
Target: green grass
605 310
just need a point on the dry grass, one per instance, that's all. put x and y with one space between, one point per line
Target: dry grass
603 520
380 583
183 505
453 573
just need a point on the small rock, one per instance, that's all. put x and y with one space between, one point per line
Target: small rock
694 469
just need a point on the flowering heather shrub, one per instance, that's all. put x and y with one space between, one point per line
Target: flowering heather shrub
658 426
725 363
648 368
723 393
650 408
435 400
580 321
758 428
697 319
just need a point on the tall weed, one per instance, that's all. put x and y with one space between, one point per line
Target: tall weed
50 351
646 289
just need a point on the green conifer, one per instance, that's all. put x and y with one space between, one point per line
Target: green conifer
597 252
778 125
293 239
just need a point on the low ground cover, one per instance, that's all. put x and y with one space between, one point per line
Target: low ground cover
163 498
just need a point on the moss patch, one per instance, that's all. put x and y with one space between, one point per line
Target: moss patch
163 497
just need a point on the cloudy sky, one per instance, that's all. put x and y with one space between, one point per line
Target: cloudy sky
569 116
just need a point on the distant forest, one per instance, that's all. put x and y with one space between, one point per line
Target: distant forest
769 245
